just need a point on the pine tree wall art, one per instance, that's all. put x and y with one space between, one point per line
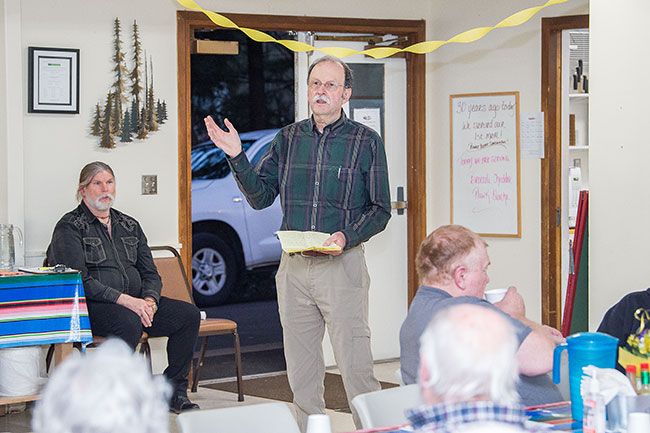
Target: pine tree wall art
131 109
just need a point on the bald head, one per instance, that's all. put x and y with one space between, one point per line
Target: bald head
468 352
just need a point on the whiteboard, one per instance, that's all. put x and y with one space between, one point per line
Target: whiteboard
485 186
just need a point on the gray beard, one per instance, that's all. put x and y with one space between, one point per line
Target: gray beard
97 204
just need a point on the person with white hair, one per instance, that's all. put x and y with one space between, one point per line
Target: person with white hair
468 374
452 265
109 390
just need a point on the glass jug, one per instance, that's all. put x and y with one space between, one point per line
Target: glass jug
585 348
8 246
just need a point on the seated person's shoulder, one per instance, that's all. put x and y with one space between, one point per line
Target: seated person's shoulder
619 319
629 304
126 221
635 300
76 217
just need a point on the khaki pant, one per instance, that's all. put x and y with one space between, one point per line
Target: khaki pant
318 291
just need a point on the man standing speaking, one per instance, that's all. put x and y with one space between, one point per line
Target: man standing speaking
331 175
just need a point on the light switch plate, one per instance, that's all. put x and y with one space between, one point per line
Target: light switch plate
149 184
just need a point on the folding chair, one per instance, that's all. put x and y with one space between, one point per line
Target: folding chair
386 407
266 417
176 285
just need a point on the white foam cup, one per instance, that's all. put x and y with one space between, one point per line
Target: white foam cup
638 422
319 423
495 295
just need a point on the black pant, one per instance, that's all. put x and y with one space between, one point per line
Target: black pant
177 320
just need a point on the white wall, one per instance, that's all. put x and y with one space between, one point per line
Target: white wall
505 60
3 117
56 146
12 175
388 9
619 202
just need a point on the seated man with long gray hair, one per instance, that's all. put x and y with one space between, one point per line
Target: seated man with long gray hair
468 374
120 278
110 390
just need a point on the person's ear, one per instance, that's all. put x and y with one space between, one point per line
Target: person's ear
458 275
347 94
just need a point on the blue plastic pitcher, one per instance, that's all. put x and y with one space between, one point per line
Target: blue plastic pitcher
585 348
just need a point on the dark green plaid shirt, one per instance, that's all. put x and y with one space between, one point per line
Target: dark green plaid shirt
329 182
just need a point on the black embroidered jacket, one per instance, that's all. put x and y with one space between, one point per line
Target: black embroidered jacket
109 265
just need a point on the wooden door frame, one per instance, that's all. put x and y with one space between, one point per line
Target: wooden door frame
551 180
188 21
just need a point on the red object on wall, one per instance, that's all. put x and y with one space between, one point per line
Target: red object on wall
578 238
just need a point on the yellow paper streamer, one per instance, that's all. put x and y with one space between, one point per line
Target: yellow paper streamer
472 35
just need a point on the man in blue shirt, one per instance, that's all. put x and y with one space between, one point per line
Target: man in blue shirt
452 265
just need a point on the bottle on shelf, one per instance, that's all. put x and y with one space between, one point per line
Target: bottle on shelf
579 80
579 68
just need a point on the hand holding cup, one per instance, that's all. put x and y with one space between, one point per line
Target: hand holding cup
512 303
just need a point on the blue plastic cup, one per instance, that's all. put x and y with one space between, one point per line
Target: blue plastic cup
585 348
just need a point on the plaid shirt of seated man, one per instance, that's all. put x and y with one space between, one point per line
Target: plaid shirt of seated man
449 417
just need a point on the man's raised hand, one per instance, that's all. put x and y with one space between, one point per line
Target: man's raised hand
228 141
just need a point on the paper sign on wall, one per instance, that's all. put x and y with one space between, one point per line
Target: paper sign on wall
485 192
532 135
371 117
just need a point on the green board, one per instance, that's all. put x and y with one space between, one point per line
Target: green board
580 319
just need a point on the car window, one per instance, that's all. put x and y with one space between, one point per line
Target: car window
209 162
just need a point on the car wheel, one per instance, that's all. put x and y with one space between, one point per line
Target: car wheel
215 269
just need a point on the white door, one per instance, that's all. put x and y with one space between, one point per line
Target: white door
386 252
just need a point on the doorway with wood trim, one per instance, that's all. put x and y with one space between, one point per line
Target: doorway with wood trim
552 164
413 31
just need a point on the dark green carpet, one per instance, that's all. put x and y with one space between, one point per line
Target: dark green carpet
277 388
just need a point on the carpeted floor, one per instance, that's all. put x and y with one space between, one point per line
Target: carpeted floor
277 388
258 362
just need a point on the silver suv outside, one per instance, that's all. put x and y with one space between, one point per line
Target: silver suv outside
228 235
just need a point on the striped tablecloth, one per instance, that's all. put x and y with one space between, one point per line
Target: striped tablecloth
43 309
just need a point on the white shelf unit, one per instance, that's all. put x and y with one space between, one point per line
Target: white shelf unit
576 103
578 155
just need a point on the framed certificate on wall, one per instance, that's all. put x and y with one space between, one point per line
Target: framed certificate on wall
53 85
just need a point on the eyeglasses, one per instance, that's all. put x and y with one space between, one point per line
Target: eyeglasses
329 86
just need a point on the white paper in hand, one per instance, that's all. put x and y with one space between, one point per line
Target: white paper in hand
294 241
